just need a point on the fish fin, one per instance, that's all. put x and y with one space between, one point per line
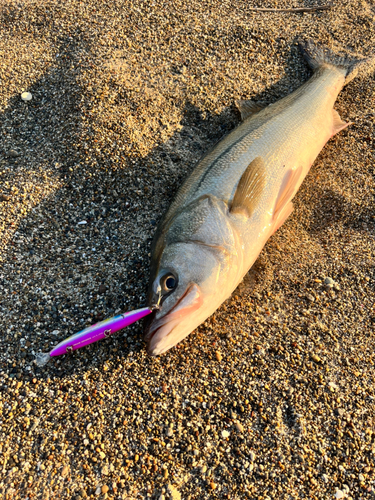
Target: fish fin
249 108
317 56
286 193
282 216
250 188
338 124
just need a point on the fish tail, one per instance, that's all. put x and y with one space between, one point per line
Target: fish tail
318 56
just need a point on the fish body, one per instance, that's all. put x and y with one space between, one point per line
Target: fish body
237 196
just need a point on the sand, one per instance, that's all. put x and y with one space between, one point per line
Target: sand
273 397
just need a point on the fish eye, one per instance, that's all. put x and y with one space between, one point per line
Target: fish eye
168 282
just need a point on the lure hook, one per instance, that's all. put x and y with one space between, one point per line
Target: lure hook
156 307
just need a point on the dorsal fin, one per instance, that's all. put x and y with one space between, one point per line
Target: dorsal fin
338 124
248 107
250 188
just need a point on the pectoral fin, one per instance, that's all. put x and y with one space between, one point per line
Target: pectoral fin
250 188
282 216
286 193
248 108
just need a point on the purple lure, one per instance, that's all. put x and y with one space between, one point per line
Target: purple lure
94 333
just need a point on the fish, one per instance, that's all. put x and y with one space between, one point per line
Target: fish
238 195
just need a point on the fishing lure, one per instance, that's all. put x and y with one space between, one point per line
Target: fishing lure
94 333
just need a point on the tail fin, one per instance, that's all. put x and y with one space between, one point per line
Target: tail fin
317 56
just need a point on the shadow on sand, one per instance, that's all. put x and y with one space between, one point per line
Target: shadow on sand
108 269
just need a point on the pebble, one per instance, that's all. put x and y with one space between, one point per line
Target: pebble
105 488
239 426
174 494
219 356
329 282
361 478
252 456
339 494
12 153
65 471
4 197
225 434
26 96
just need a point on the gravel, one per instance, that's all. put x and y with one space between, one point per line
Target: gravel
273 396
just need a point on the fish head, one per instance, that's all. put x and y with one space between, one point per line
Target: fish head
191 281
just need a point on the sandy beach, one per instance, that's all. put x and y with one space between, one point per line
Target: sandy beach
273 396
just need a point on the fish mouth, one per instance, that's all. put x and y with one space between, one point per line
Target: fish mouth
162 334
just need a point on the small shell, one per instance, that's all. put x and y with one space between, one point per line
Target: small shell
41 359
26 96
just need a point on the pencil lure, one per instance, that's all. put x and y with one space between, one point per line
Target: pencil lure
94 333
